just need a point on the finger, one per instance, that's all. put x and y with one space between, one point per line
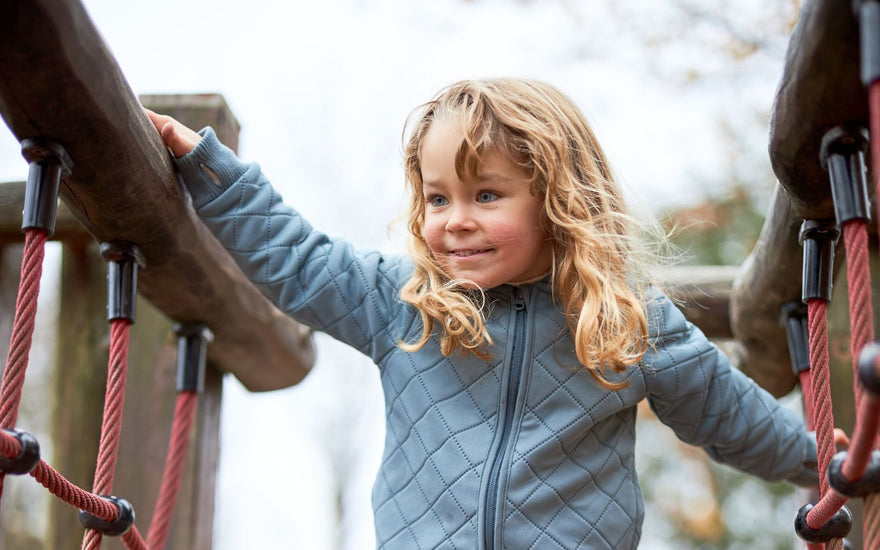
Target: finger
167 133
841 440
157 119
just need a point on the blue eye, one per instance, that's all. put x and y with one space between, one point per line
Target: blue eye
437 201
486 196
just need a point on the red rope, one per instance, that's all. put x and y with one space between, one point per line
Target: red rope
22 328
871 529
134 540
181 428
861 332
861 313
817 319
817 315
112 424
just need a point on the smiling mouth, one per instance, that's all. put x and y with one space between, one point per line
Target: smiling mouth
468 253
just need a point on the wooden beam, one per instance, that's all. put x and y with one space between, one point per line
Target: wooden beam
58 80
702 293
67 227
819 89
769 279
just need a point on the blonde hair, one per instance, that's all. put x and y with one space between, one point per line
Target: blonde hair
595 273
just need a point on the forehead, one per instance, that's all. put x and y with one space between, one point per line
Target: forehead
441 144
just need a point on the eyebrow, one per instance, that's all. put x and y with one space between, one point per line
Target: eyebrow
494 177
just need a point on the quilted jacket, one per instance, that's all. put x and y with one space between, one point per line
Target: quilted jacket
520 452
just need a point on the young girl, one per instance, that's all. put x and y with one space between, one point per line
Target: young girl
517 338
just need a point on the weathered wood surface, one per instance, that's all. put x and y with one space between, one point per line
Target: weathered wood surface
819 89
703 294
122 188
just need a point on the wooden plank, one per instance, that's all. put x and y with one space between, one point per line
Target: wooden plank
58 80
819 89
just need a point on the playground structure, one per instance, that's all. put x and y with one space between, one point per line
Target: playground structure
188 278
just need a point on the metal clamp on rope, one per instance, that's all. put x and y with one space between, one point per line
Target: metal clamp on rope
867 484
868 14
119 526
842 154
123 259
192 347
793 316
818 238
836 528
28 457
47 161
869 368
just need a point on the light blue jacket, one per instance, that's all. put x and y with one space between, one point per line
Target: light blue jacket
521 452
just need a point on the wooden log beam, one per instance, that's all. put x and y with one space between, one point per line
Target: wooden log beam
703 293
769 278
67 227
819 89
59 80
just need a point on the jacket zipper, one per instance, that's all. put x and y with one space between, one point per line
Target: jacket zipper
519 307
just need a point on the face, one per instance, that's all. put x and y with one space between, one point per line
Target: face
487 230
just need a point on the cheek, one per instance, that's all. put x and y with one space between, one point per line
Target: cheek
433 233
513 232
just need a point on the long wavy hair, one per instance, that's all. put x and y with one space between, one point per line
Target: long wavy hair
597 277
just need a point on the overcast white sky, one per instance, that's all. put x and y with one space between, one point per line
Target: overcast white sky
322 89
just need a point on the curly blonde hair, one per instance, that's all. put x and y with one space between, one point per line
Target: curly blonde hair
595 276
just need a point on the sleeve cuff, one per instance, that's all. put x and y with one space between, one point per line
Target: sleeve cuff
209 169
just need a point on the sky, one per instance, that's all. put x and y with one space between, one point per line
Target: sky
322 90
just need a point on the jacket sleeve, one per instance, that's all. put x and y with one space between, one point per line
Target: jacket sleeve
693 389
319 281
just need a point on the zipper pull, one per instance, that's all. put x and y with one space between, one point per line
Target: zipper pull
519 301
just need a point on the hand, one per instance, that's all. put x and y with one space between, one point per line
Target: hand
177 137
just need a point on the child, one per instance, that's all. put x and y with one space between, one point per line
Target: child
515 341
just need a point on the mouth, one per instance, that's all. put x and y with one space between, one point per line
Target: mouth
467 253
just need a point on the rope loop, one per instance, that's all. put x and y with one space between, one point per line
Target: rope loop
835 528
869 368
867 484
123 522
28 457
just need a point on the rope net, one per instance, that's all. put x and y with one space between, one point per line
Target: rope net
103 514
858 476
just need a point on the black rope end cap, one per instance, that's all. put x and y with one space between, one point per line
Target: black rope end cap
123 522
869 368
836 528
28 457
868 484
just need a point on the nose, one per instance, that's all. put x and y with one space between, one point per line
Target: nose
460 219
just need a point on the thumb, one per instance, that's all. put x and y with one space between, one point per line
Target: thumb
177 137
